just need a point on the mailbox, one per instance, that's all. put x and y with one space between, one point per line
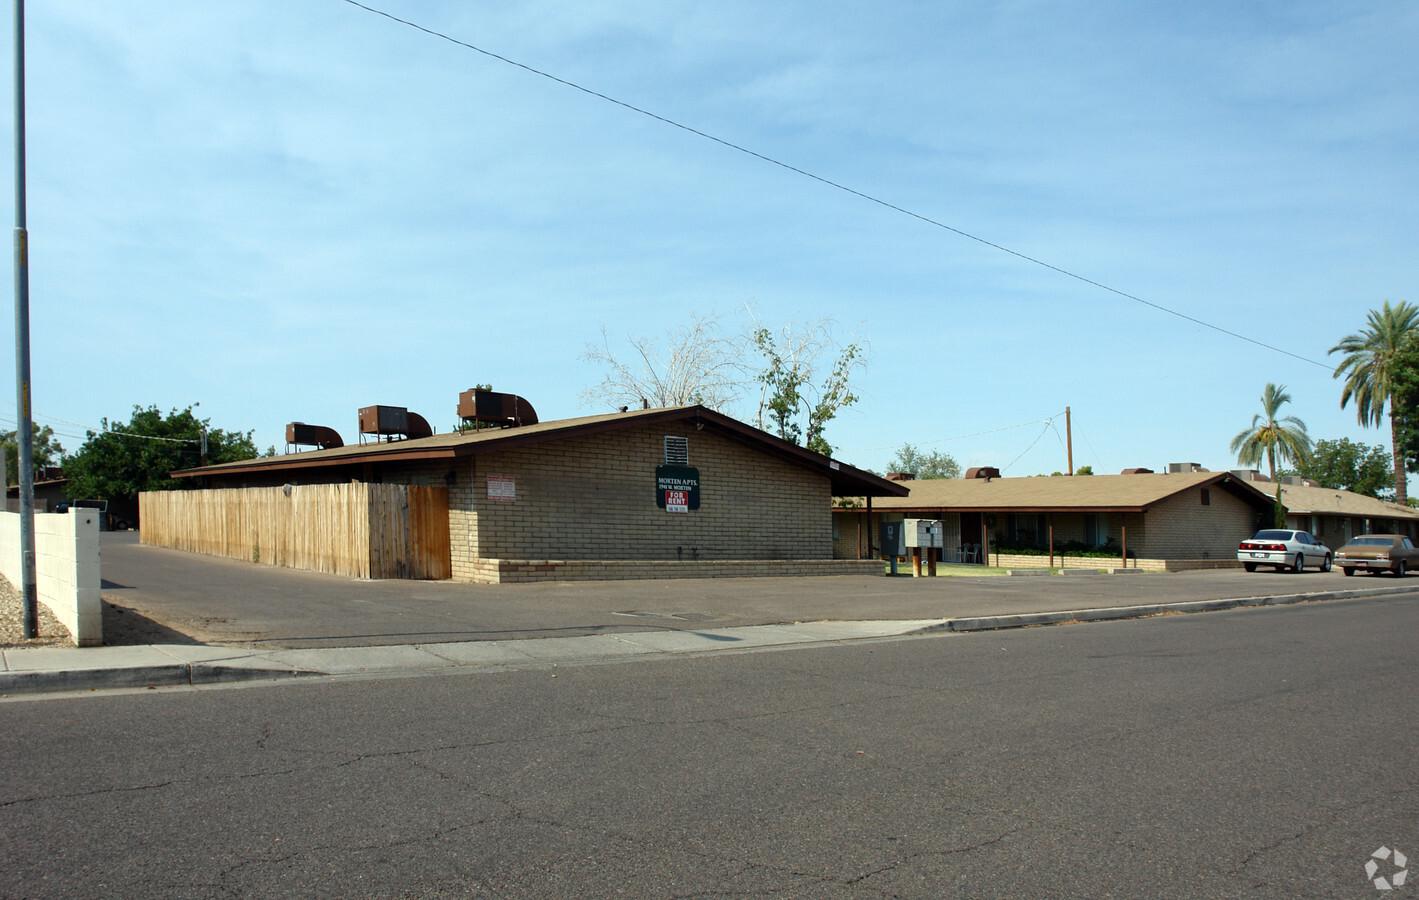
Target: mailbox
892 543
922 532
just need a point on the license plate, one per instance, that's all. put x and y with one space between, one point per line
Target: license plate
1258 556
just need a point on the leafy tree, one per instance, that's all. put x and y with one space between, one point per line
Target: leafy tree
1348 466
1368 367
700 364
1084 470
1404 402
126 459
46 451
795 403
924 465
1272 436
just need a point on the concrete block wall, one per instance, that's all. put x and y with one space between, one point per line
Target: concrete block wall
594 498
516 571
1182 528
67 569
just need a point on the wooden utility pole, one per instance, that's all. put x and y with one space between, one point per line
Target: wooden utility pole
1069 439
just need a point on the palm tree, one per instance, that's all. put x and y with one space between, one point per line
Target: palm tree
1272 436
1368 373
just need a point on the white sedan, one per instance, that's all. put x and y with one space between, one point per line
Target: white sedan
1292 550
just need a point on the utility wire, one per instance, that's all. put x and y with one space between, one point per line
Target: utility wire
958 437
836 185
100 432
1043 432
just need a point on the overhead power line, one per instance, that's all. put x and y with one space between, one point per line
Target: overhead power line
834 184
1043 432
958 437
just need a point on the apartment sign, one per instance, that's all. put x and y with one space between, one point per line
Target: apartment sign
677 488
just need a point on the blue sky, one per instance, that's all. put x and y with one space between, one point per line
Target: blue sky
287 211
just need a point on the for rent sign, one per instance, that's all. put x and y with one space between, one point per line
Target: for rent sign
677 488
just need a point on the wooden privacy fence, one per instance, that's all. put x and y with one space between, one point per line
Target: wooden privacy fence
355 529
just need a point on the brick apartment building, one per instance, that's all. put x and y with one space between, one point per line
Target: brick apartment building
1163 521
675 492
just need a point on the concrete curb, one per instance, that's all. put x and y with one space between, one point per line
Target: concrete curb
1025 620
175 675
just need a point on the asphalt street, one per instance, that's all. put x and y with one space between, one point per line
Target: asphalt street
161 596
1260 753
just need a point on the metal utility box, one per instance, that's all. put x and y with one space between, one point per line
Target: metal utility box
922 532
491 407
300 433
384 420
892 543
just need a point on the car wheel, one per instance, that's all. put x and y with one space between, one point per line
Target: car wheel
1325 566
1300 563
1348 570
1250 567
1400 569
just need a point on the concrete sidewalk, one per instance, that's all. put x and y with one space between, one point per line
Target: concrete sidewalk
43 670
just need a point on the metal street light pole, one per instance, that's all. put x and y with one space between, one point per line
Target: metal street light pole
24 430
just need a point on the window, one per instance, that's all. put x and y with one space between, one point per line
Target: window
1096 530
1206 497
677 451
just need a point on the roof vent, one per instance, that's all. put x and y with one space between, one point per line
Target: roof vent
389 422
493 408
1137 471
299 434
985 472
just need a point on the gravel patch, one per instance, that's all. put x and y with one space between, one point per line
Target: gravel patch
51 633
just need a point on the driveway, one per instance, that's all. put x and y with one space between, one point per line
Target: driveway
156 595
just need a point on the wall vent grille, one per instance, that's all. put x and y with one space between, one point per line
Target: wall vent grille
677 451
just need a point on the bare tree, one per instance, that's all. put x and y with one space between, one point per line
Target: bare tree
699 364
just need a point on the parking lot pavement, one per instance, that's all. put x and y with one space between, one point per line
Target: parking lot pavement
160 596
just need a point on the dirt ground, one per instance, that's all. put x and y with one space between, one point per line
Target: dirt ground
51 633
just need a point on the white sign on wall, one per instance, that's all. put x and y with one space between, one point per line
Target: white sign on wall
502 488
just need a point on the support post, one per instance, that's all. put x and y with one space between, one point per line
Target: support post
1051 540
870 554
1123 529
24 429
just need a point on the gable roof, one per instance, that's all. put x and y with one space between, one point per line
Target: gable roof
1086 493
845 479
1319 501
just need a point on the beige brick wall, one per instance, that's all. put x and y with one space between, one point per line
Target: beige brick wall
513 571
594 498
1182 528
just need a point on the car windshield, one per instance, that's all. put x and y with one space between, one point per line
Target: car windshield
1273 535
1373 542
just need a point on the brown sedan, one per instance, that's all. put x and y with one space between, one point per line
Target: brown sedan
1377 553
